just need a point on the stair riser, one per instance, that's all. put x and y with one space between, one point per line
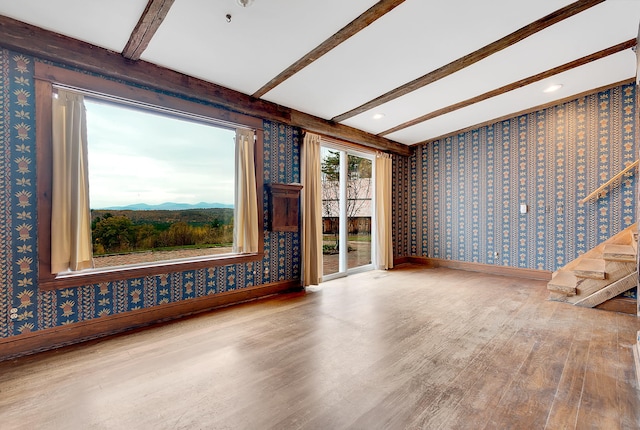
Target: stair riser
620 258
562 289
557 297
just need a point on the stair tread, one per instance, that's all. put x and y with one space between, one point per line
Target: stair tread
590 268
623 250
563 282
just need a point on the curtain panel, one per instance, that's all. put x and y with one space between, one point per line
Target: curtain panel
245 228
311 211
71 247
384 240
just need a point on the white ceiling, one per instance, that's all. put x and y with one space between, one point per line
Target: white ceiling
412 40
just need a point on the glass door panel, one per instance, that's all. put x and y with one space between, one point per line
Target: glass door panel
330 165
359 211
347 196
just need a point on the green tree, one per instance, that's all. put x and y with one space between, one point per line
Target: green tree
146 236
357 167
180 234
359 188
113 234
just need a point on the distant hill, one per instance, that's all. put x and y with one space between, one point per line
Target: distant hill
168 206
198 216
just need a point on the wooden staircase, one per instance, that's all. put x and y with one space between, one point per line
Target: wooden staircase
597 277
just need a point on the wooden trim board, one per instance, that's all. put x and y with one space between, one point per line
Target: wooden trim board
400 260
56 337
66 51
541 275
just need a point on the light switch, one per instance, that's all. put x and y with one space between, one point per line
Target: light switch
524 208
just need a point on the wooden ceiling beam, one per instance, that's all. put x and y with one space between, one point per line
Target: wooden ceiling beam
341 132
372 14
63 50
527 111
148 24
472 58
515 85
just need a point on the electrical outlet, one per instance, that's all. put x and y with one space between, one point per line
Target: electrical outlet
496 254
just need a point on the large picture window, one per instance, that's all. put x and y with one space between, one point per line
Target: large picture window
161 186
162 181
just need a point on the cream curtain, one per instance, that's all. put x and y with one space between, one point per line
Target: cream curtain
384 241
245 226
70 213
311 211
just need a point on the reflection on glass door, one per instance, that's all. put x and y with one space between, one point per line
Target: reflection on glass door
359 193
330 166
347 190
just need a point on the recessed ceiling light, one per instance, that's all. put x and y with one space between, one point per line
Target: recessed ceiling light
378 116
553 88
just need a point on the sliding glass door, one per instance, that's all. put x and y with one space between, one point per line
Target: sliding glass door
347 209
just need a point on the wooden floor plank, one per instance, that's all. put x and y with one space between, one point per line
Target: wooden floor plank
528 396
444 390
408 348
566 403
483 385
627 388
599 407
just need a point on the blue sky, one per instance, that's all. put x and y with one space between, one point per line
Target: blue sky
141 157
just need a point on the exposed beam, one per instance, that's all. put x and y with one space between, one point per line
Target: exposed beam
525 111
515 85
148 24
338 131
472 58
372 14
64 50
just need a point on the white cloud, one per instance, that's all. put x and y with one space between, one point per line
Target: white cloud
140 157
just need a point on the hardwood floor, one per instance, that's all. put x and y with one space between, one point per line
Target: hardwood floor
412 348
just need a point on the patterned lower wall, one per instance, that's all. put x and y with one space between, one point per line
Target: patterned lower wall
466 190
39 310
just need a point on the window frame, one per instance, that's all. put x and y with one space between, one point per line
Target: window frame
46 76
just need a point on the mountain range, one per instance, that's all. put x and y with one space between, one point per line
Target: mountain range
168 206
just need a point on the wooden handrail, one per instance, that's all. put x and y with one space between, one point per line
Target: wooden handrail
610 181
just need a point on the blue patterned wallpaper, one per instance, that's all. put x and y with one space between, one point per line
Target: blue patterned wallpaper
39 310
466 189
400 214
